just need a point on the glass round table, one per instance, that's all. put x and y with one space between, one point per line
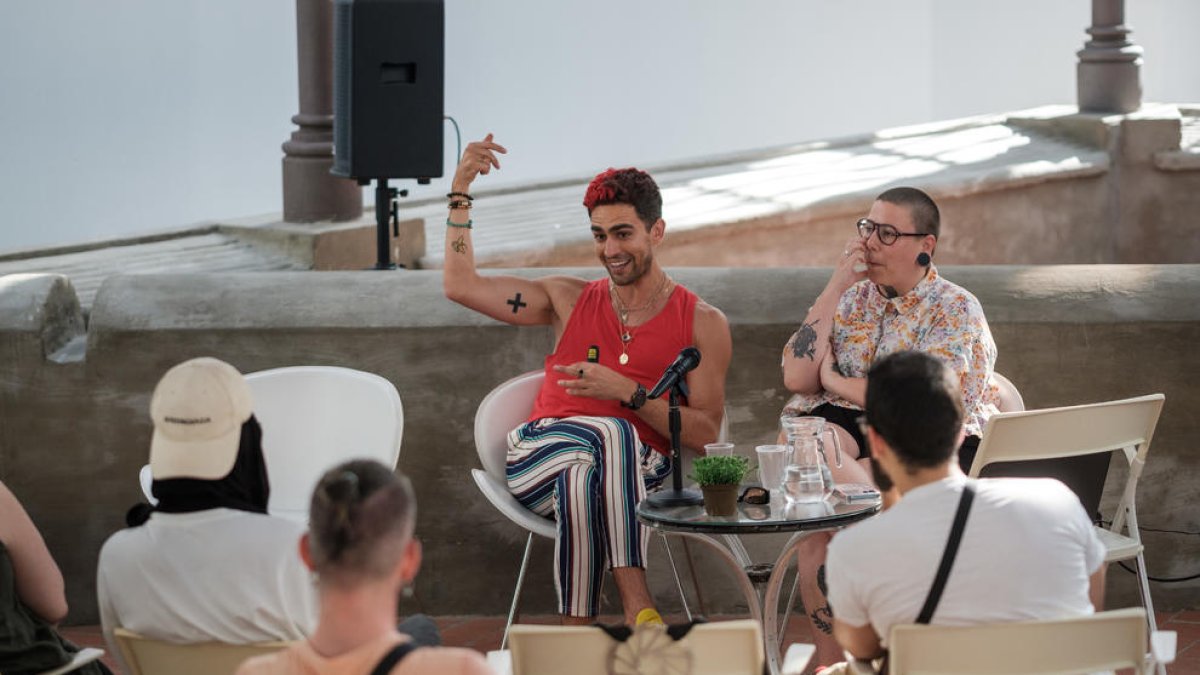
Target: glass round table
693 523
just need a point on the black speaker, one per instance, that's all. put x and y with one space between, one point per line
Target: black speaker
388 81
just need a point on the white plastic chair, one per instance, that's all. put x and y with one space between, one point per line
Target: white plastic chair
1099 642
1010 398
505 408
719 648
1126 425
313 418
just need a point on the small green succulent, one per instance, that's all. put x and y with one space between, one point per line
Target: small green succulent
719 470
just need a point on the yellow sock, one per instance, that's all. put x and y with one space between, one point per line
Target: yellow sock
649 615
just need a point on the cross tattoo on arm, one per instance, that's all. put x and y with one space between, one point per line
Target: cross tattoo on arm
516 303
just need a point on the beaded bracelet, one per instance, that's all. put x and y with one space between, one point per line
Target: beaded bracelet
452 195
460 204
466 225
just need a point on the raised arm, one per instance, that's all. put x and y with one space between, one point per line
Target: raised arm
505 298
39 581
804 351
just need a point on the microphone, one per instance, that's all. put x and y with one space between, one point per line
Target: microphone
687 360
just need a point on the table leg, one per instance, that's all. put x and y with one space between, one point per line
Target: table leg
743 580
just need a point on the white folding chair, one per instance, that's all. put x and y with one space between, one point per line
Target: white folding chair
718 648
1098 642
1126 425
313 418
505 408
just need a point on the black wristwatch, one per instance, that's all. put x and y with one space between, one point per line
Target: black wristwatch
637 400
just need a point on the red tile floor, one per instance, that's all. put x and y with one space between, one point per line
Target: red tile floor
484 632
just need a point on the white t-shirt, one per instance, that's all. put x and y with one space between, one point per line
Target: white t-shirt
218 574
1027 553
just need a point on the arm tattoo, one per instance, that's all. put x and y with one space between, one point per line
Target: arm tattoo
804 341
822 617
516 303
460 245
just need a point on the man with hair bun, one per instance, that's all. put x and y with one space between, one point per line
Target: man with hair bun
594 444
361 548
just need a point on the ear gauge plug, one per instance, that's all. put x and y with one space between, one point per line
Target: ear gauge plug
923 259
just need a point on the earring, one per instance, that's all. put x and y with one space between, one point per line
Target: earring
923 259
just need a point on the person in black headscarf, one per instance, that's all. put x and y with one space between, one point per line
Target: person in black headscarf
206 562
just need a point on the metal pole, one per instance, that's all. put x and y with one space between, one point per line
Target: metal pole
310 193
1107 75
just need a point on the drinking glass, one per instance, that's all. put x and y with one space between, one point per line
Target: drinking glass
718 449
772 460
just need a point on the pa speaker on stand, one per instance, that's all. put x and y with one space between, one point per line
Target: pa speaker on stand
388 88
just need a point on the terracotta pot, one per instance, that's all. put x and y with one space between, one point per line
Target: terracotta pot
720 500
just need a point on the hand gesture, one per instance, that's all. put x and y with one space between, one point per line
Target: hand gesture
851 268
593 380
478 158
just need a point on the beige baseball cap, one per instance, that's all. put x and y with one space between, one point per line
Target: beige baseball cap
198 409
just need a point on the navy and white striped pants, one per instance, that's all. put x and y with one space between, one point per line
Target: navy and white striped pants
588 473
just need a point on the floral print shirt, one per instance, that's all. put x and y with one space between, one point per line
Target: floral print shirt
936 317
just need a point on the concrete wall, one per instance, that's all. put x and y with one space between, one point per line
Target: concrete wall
73 434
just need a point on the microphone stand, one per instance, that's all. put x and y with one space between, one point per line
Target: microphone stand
675 496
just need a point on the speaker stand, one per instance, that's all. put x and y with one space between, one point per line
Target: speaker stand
386 205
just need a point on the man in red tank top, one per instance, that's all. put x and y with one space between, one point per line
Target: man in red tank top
594 445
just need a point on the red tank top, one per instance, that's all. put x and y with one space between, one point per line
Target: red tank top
655 345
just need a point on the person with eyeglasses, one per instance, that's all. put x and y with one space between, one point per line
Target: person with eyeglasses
885 295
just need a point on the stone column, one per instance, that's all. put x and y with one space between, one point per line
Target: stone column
310 193
1109 64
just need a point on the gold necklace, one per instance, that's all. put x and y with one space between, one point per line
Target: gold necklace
623 313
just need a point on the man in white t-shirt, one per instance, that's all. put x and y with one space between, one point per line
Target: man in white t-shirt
1028 550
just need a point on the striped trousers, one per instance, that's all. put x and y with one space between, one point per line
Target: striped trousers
588 473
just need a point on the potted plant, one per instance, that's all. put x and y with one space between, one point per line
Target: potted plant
719 478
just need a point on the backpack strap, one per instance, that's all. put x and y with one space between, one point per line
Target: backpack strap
948 555
393 657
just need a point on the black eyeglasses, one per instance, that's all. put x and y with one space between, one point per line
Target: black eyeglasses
888 234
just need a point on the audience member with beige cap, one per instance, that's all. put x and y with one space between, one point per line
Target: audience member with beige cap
207 563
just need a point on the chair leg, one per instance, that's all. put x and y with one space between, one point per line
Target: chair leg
512 612
1147 602
675 573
